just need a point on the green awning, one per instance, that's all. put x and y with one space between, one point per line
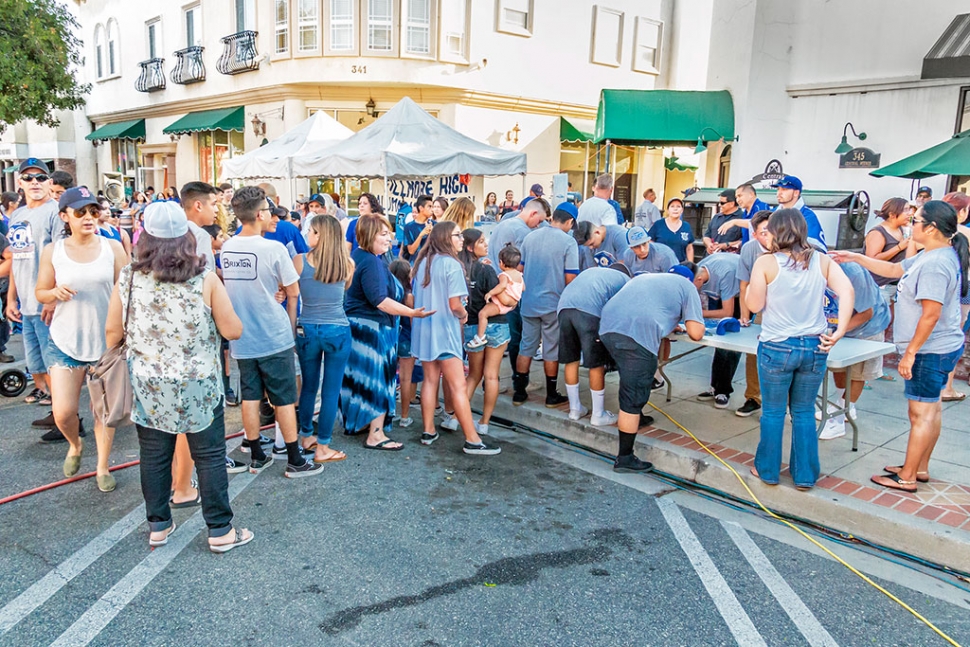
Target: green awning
951 157
203 120
664 117
570 132
134 129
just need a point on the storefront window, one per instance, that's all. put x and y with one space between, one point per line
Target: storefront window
215 147
348 189
577 160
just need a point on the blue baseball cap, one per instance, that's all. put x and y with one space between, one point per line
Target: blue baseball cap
33 162
682 271
76 198
569 208
316 197
925 189
789 182
637 236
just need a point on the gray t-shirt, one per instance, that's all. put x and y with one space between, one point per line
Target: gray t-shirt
750 252
867 295
203 246
510 230
614 241
933 275
441 333
646 214
590 291
649 307
660 258
29 231
547 255
597 211
254 268
723 269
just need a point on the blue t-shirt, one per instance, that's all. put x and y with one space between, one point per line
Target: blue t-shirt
289 235
757 206
671 299
253 268
411 232
441 333
867 295
548 254
351 236
677 241
590 291
372 283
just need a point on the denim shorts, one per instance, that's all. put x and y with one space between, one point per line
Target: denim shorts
36 338
56 358
496 334
404 346
930 372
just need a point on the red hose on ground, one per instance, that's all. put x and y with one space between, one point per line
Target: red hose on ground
81 477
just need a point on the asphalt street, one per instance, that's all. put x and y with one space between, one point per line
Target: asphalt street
538 546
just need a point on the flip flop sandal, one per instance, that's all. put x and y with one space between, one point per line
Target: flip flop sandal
335 458
36 396
955 398
46 401
186 504
922 477
382 446
895 483
311 448
886 377
240 541
155 543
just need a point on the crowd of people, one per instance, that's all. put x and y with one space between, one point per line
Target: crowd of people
334 320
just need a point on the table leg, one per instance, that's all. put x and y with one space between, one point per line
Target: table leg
660 368
855 427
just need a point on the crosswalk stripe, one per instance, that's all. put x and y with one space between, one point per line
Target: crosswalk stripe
95 619
801 615
740 625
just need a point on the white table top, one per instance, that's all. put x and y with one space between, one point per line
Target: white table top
845 353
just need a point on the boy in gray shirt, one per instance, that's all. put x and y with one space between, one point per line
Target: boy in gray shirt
717 279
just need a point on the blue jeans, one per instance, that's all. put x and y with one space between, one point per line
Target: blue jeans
325 346
790 373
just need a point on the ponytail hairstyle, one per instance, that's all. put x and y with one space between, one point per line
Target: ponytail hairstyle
469 238
789 234
943 216
892 207
439 244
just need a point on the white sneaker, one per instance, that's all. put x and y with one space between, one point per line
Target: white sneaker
449 422
481 428
577 414
833 409
605 419
405 422
834 428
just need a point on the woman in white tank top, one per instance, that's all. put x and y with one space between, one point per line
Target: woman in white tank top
77 274
789 286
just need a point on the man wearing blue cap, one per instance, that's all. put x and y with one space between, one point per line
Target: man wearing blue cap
633 334
33 226
790 197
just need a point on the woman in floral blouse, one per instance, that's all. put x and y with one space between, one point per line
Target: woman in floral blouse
170 309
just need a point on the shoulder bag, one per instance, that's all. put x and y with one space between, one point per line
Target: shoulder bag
109 381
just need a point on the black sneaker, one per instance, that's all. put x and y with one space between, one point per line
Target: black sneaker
232 400
706 395
645 421
556 399
47 422
309 468
263 440
55 436
427 439
481 449
235 467
748 408
255 466
280 452
657 384
631 463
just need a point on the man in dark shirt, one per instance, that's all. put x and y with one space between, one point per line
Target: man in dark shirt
729 241
416 231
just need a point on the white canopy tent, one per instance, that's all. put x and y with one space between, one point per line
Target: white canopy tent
276 159
408 143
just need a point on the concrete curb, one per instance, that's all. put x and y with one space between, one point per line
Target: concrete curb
932 541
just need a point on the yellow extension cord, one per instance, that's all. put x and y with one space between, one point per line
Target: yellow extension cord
864 577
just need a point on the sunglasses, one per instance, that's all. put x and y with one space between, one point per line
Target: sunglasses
40 177
92 211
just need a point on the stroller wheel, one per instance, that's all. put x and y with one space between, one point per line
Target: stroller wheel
12 383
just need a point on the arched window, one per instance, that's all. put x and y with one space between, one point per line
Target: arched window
113 55
99 51
724 167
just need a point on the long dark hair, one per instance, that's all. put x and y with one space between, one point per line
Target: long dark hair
789 233
375 205
170 260
401 270
943 216
469 238
439 244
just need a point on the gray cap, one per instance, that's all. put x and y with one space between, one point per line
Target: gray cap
637 236
165 220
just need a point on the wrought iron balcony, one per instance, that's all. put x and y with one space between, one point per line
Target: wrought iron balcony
189 68
240 53
152 75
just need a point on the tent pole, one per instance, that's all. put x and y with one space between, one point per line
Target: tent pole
586 172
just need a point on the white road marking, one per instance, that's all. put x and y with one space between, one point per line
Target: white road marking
727 604
95 619
801 615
